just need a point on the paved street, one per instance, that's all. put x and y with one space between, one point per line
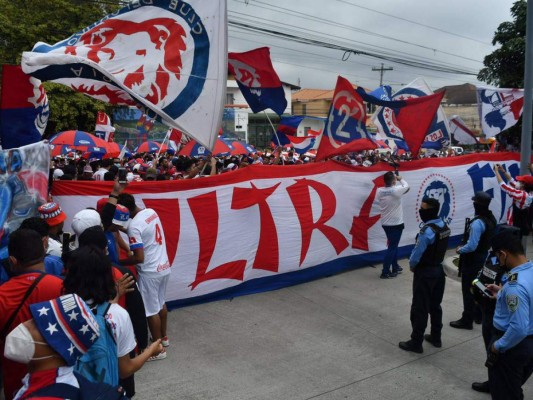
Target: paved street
334 338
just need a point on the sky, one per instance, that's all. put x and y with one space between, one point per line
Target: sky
448 33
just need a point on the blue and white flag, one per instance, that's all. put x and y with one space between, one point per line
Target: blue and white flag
300 144
499 109
438 135
382 93
167 57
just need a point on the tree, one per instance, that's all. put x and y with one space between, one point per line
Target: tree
504 67
26 22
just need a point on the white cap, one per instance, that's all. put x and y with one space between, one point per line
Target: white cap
85 219
129 176
58 173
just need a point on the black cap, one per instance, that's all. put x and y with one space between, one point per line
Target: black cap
432 202
94 236
505 239
482 198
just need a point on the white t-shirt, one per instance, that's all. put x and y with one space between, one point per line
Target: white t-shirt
99 175
120 323
55 248
390 203
145 231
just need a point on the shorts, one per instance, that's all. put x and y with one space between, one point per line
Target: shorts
153 293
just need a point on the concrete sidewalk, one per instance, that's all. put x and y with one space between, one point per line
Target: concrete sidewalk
334 338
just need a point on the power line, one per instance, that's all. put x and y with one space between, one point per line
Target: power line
338 24
320 35
350 50
414 22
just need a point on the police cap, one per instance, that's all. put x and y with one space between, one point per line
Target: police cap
506 239
431 202
482 198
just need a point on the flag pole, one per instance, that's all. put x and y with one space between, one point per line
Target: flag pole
276 134
164 140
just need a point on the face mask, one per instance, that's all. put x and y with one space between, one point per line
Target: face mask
427 214
118 165
20 346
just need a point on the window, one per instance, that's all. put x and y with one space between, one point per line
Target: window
230 99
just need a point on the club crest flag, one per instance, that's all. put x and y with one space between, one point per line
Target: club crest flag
167 57
499 109
461 134
438 134
257 79
289 125
103 129
24 108
301 144
345 129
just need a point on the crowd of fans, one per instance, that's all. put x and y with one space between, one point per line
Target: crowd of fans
151 167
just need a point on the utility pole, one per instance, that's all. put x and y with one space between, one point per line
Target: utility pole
381 70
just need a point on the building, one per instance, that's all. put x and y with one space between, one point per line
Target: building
241 122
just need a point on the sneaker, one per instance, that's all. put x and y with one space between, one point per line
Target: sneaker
160 356
384 276
393 275
410 346
165 342
398 270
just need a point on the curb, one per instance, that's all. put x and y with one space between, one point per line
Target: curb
450 268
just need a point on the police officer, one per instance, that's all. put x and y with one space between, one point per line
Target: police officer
472 256
491 273
510 355
429 278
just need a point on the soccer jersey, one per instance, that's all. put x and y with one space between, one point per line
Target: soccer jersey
145 231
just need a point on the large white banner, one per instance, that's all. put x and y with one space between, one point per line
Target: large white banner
263 227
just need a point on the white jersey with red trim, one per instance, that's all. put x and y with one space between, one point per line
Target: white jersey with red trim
145 231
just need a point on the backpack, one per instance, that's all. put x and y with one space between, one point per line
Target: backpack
100 363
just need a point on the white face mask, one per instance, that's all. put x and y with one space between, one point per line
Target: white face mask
20 346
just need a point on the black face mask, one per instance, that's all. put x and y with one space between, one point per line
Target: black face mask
428 214
480 209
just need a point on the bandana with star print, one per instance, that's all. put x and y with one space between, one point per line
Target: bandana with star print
67 324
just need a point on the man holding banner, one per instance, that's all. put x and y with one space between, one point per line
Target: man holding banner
390 203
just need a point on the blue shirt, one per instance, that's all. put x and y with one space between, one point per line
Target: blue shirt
477 228
514 312
425 238
53 265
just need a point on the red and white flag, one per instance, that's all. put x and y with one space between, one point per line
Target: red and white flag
461 134
169 58
103 129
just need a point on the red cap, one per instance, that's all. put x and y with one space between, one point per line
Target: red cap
52 214
527 179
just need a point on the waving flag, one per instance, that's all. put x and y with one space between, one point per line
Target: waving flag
103 129
301 144
461 134
289 125
499 109
345 129
167 57
144 125
259 83
413 115
438 134
382 93
24 108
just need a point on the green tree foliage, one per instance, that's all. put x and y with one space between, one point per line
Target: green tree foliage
504 67
26 22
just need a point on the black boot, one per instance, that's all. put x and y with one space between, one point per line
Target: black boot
461 324
411 346
482 387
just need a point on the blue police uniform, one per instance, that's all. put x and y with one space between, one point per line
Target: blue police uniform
428 284
513 335
473 255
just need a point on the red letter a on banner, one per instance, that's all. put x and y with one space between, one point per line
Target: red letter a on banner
204 209
301 199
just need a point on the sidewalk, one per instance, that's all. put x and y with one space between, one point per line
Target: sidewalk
334 338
